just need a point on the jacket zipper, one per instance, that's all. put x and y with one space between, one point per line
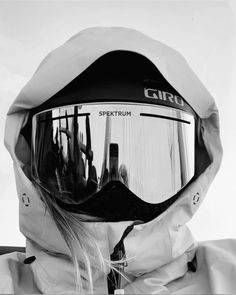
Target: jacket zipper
114 277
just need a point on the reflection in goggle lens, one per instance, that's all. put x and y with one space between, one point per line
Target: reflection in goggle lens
78 149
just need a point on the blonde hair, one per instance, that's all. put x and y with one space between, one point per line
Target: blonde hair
72 228
79 240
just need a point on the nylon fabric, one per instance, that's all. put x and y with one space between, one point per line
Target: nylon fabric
15 276
215 274
157 251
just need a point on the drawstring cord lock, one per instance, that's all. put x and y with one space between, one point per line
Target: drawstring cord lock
119 291
29 260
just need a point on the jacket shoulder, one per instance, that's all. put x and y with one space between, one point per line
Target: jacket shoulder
16 277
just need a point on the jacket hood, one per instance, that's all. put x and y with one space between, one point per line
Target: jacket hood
148 246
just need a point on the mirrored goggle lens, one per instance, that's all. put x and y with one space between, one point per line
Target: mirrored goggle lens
78 149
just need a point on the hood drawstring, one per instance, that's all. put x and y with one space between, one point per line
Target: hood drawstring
114 277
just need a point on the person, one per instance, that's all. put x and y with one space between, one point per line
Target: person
115 142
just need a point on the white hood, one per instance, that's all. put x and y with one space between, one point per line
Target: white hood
149 246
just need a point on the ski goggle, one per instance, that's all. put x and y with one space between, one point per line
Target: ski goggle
79 149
